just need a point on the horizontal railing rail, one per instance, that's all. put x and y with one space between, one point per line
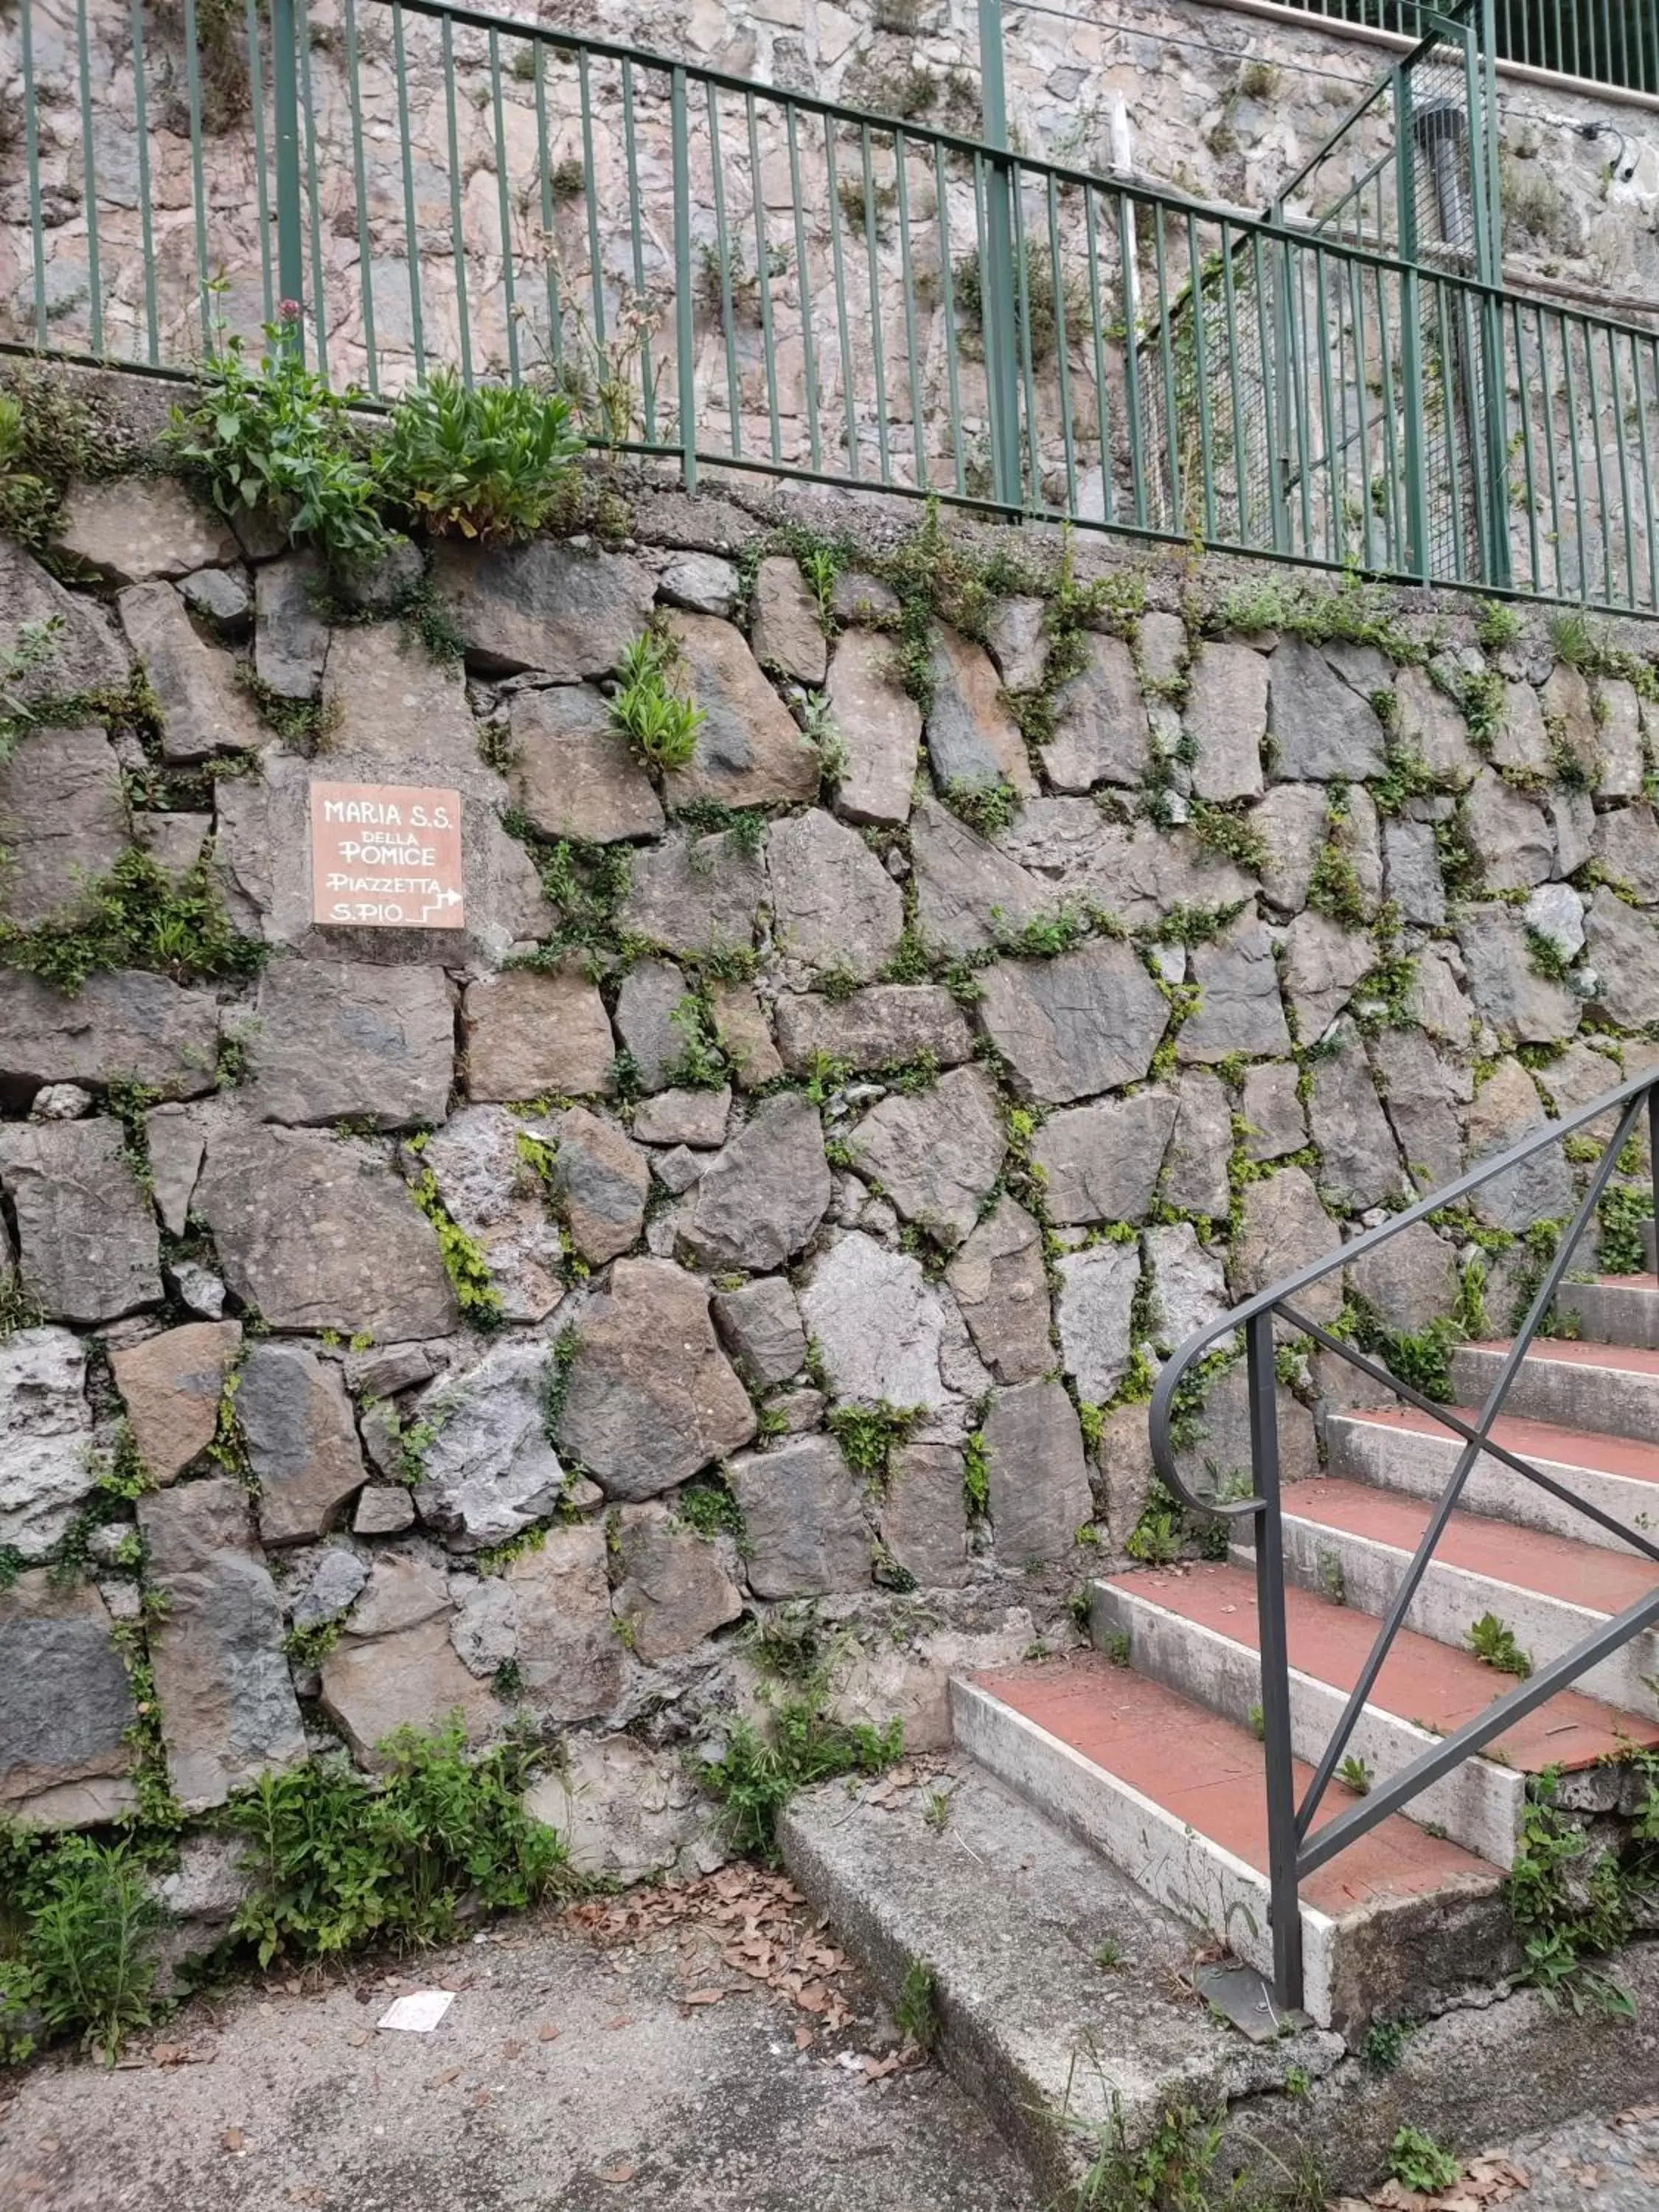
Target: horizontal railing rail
1296 1846
733 276
1614 42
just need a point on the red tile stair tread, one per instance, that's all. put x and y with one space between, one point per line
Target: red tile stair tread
1579 1351
1536 1440
1207 1774
1553 1566
1421 1680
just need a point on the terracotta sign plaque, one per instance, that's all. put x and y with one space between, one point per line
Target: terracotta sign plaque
387 855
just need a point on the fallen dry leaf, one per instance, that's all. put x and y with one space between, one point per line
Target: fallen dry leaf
622 2170
547 2032
232 2140
622 2019
442 2080
702 1996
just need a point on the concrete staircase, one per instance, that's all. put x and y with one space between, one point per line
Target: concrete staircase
1142 1749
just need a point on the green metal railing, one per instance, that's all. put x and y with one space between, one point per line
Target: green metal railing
1614 42
731 277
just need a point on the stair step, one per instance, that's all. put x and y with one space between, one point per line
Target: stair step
1615 1309
1013 1918
1194 1628
1613 1389
1353 1542
1400 1449
1173 1794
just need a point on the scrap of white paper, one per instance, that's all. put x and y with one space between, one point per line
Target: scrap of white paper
421 2010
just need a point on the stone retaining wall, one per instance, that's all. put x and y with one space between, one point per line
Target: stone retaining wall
749 1097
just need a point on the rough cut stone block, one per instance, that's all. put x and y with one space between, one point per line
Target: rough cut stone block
924 1515
702 583
935 1152
1100 722
45 1439
175 1138
1510 835
1291 823
174 842
764 1196
749 753
741 1026
760 1327
833 905
87 1246
1626 844
87 652
1523 1007
1410 1279
399 714
1226 717
1098 1288
1358 1160
490 1470
1426 722
385 1509
1195 1164
880 725
66 1707
1239 1009
133 528
1275 1123
1320 726
346 1250
335 1586
972 738
1323 962
674 1589
878 1027
543 604
1102 1162
204 710
63 821
494 1195
804 1525
1411 860
1019 641
624 1812
1624 764
531 1032
878 1323
689 893
172 1386
1520 739
1069 1027
602 1181
227 1702
1284 1229
652 1397
570 1656
126 1025
1506 1107
1624 949
784 628
291 639
683 1117
998 1279
396 1667
652 1007
301 1441
1189 1286
1039 1482
969 894
574 774
345 1040
1422 1091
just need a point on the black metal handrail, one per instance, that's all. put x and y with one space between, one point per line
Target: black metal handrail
1294 1850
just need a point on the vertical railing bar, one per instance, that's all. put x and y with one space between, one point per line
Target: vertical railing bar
411 228
1625 504
1166 355
1297 270
1647 479
1548 398
1572 449
804 287
1272 380
1031 491
948 310
728 326
1229 308
89 170
549 219
595 259
509 295
365 266
648 374
197 178
1061 349
1600 465
1476 418
685 346
1534 578
32 150
1102 413
457 232
763 279
838 268
1127 243
1284 1913
1336 532
1201 382
1357 313
141 129
262 180
918 433
1448 416
1389 448
308 108
878 343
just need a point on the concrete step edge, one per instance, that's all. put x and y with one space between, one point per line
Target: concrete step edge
1480 1806
1613 1312
1604 1399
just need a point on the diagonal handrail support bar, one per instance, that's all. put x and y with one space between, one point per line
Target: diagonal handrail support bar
1296 1846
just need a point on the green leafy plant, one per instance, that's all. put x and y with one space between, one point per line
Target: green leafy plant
137 916
1354 1774
986 807
1494 1644
277 438
760 1771
916 2013
1157 1537
81 1959
1623 1209
1417 2161
1571 1904
338 1860
654 717
868 1435
485 461
1385 2044
463 1256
